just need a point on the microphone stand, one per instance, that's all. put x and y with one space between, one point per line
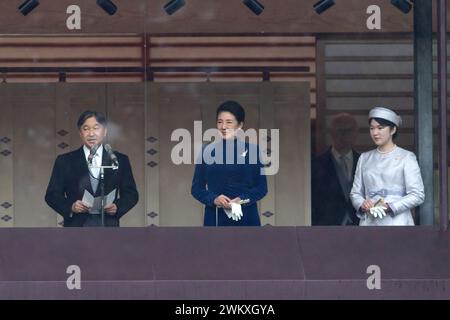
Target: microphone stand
102 194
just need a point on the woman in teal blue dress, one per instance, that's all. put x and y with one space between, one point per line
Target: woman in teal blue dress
235 177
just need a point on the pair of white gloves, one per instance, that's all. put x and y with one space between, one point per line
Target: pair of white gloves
235 212
377 212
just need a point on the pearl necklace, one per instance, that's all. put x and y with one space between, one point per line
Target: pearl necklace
384 152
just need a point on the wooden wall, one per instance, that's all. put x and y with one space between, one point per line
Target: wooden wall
142 51
205 17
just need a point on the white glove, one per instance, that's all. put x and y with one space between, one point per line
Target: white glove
229 213
235 212
377 212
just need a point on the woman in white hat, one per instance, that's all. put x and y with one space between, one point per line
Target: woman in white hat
387 183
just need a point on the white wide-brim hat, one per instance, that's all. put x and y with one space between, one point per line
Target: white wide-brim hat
386 114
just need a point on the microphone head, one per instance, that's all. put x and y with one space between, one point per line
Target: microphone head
111 154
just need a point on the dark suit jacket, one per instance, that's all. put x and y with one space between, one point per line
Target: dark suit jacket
328 200
70 177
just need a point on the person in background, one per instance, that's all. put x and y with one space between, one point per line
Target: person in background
332 175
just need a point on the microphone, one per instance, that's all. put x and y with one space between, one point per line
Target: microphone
92 153
112 155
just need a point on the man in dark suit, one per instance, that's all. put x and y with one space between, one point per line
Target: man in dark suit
332 176
71 176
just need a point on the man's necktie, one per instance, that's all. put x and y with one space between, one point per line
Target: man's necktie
345 169
94 175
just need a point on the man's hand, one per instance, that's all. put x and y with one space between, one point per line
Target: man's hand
79 207
223 201
111 209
